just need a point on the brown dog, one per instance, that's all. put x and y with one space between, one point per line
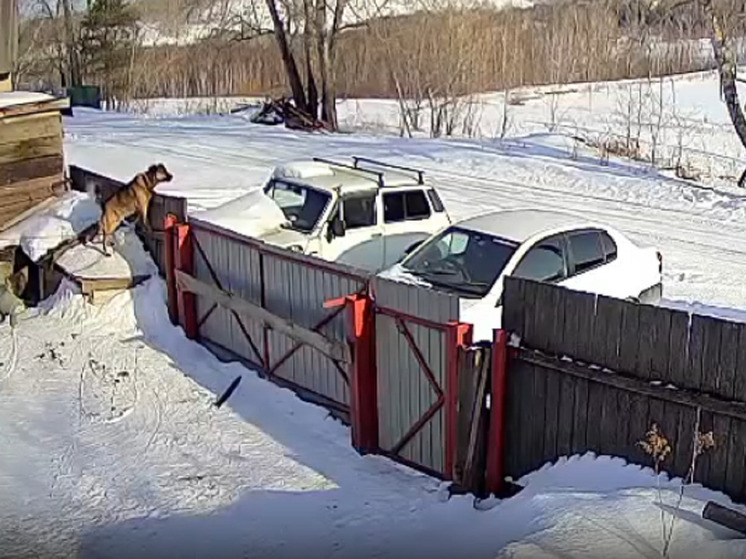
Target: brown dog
133 198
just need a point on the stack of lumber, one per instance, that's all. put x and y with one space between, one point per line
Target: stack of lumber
31 153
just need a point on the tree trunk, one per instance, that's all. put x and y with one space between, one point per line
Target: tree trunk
309 38
328 67
727 70
288 60
71 45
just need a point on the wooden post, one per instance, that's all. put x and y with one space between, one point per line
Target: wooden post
496 439
361 323
457 335
187 302
169 228
725 517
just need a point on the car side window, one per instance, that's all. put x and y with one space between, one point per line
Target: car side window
587 251
393 207
359 211
545 261
405 206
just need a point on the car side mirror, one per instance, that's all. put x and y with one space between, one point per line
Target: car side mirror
336 229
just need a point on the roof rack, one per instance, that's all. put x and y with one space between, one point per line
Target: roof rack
420 173
377 174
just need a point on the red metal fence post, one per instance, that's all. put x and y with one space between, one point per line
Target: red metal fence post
185 263
169 225
457 335
496 438
361 322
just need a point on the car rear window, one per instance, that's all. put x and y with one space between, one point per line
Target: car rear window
586 250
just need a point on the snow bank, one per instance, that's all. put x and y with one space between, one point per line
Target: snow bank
254 214
46 229
588 507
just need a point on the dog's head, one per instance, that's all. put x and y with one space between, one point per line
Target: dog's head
158 173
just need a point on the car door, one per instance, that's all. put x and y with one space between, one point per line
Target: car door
593 258
361 245
406 218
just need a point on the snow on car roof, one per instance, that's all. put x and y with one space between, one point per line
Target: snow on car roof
327 177
521 225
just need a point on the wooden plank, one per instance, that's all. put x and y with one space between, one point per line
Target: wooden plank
9 219
32 188
513 306
552 413
22 171
708 363
23 128
336 351
736 476
723 383
634 333
89 285
30 149
689 398
46 106
565 429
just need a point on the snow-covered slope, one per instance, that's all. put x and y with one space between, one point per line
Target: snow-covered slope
110 448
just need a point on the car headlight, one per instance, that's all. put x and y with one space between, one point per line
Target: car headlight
296 248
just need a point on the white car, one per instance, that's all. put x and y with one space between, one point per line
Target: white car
471 259
367 214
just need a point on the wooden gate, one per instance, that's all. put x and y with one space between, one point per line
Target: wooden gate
266 305
418 337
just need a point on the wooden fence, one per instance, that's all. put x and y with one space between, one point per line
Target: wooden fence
161 206
594 373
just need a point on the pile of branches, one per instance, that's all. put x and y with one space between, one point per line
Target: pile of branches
282 110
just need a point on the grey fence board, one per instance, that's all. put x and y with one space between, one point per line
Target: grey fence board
291 286
704 357
404 392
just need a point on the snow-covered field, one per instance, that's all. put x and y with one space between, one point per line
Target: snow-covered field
700 227
110 447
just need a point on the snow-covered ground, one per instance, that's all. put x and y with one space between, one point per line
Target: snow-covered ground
110 447
699 227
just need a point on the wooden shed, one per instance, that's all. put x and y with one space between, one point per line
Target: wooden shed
31 153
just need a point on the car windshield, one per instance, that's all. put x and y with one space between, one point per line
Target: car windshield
462 261
303 206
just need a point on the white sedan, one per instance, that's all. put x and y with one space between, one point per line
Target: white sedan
471 259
